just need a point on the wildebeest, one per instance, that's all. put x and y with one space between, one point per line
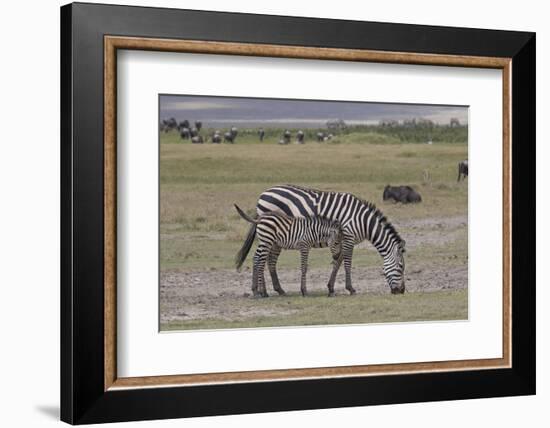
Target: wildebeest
198 125
216 138
300 137
183 124
462 169
197 139
261 134
286 136
185 133
229 137
320 137
194 132
403 194
277 231
169 124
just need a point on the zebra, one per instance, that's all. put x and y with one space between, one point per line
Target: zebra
359 220
278 231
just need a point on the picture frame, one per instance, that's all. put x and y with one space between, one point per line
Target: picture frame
91 391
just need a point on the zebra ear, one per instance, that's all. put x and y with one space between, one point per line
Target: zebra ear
403 246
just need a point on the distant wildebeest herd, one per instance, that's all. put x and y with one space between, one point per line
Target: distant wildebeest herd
193 133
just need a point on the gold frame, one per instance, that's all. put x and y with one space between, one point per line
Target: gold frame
113 43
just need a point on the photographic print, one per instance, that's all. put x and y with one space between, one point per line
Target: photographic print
286 212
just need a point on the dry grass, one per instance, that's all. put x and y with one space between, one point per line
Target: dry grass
201 231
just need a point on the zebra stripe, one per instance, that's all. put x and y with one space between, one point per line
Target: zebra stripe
360 220
277 231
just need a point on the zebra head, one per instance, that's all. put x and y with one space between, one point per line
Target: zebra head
394 268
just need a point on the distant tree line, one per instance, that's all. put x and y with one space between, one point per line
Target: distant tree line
415 130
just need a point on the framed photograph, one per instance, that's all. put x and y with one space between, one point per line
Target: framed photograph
266 213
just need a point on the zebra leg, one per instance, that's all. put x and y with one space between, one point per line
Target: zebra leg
255 278
336 262
304 253
272 266
258 279
347 254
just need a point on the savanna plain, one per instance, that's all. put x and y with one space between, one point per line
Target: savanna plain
200 231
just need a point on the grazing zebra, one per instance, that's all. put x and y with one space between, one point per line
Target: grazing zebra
359 220
462 169
278 231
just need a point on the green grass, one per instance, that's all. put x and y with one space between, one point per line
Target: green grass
317 309
200 184
201 231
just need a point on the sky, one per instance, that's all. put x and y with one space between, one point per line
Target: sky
266 112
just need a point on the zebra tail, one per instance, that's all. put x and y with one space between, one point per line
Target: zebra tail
245 215
245 249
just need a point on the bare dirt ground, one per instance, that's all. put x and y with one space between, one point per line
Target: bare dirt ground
220 294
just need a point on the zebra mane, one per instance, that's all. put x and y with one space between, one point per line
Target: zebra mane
382 218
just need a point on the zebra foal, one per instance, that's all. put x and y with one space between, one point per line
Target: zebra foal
278 231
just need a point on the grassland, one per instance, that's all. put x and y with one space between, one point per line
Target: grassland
201 231
317 309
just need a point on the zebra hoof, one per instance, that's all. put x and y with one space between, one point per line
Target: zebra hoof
352 292
281 292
